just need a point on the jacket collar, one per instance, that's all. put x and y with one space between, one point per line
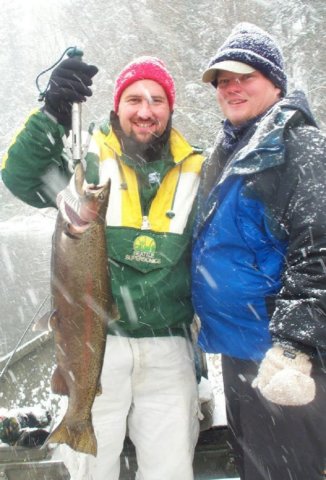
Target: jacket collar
180 148
265 147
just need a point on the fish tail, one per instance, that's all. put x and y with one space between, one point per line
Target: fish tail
79 436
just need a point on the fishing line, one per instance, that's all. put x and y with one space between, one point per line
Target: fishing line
71 52
22 337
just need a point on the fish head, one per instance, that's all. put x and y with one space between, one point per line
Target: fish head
95 202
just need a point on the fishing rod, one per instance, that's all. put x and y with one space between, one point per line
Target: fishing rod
77 154
77 149
5 368
76 118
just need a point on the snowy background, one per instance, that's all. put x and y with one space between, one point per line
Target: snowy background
185 34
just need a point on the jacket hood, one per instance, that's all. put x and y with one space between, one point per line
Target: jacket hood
297 100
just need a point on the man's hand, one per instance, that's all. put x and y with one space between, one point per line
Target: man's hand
69 83
284 377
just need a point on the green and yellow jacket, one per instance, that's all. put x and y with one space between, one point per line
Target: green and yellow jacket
149 217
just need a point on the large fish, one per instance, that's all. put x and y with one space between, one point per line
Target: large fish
82 306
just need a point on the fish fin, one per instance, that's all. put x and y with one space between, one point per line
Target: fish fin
99 390
79 436
43 323
58 383
114 313
54 320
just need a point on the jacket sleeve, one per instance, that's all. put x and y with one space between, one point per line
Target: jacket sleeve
300 314
33 168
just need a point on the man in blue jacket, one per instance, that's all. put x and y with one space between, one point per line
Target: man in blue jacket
259 262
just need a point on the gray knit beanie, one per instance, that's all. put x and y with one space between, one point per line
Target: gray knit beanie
252 46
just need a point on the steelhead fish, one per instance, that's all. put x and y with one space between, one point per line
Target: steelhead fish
82 302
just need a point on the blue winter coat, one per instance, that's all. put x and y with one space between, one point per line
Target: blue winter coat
259 257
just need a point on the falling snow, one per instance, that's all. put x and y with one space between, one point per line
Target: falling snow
33 36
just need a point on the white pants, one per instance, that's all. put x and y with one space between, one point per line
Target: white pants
148 385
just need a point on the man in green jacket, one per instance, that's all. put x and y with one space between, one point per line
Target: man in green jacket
148 377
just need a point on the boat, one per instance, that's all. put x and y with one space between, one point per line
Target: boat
25 380
19 463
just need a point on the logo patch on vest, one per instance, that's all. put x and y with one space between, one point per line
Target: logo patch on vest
144 250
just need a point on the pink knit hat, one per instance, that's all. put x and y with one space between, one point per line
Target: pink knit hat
144 68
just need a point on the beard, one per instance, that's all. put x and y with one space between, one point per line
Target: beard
141 152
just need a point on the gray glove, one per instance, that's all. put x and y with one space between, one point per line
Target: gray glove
284 377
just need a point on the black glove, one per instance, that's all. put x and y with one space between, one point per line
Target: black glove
69 83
